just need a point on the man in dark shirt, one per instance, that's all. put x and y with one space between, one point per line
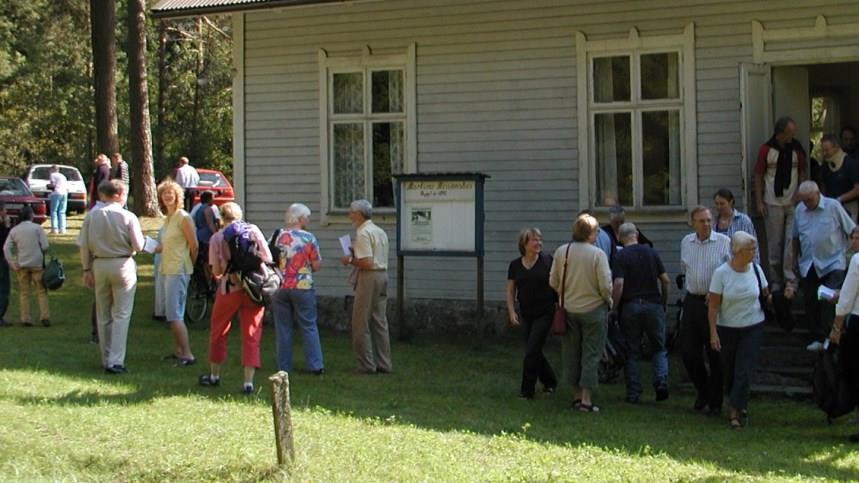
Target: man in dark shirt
840 174
640 293
617 217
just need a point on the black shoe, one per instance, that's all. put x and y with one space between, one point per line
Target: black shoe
661 392
379 370
27 324
208 380
700 405
46 322
318 372
526 396
116 369
159 318
185 361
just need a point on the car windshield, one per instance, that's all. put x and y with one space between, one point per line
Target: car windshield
44 172
13 187
211 179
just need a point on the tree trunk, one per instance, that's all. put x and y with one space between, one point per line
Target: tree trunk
161 163
198 72
103 23
143 181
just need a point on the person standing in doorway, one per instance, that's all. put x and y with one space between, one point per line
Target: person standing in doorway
188 178
840 175
370 339
781 166
848 141
58 200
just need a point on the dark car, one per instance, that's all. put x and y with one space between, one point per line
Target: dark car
214 181
16 195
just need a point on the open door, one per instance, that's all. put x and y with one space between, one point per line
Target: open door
791 98
756 116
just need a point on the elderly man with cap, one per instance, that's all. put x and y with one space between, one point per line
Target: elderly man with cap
821 234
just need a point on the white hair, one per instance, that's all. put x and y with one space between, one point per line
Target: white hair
808 188
362 206
296 212
627 231
742 240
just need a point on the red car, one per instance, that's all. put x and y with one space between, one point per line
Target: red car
16 194
214 181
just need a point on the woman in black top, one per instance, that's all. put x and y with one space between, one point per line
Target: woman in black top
528 281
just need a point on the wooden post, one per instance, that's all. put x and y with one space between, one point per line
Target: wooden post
401 295
480 286
282 418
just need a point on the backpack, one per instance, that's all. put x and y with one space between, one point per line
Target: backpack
831 389
259 280
53 275
243 255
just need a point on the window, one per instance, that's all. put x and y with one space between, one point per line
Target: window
639 150
368 120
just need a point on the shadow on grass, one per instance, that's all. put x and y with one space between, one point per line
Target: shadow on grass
450 384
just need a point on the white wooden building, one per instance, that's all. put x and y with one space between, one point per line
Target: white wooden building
566 104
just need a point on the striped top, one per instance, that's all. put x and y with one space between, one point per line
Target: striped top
739 222
699 259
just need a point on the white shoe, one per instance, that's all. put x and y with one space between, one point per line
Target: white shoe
815 346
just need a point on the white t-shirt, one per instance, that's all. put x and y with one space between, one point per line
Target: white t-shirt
740 304
60 183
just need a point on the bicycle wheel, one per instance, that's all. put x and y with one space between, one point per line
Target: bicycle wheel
197 303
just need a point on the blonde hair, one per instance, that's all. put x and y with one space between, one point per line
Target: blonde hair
584 227
177 190
230 212
526 235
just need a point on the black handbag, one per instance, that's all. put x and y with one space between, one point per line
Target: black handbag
769 316
53 275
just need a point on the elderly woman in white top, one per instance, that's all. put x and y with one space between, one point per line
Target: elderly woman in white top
586 292
846 323
737 321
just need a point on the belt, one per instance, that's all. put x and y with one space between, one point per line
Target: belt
120 256
641 301
696 296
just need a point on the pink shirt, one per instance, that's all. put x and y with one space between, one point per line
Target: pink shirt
219 255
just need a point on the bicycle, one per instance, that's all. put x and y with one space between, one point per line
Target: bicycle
201 290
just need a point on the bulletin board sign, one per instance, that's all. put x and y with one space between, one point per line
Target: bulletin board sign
440 214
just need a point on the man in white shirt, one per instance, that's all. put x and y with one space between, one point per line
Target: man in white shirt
187 177
58 200
701 253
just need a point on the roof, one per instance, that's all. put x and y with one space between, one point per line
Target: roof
185 8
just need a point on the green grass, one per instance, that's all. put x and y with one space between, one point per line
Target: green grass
448 413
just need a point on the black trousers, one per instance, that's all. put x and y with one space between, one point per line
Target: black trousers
819 312
703 365
535 366
740 349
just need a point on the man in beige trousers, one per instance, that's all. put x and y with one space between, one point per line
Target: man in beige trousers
109 238
25 250
370 339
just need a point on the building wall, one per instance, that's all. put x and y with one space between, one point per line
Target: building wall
496 93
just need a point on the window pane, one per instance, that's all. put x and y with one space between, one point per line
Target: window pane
659 76
613 136
348 159
611 79
661 157
388 148
388 91
349 93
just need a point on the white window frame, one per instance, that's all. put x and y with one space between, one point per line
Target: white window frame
634 46
366 63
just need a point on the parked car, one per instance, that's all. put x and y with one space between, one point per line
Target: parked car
216 182
16 195
37 177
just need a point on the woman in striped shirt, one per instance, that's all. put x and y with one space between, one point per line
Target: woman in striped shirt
729 221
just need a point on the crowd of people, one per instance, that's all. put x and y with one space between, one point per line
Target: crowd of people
612 275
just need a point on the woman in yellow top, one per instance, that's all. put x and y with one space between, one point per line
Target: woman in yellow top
178 249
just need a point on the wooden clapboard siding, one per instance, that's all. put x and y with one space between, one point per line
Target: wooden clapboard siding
496 93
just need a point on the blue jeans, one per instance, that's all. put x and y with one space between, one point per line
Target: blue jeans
290 305
644 319
58 212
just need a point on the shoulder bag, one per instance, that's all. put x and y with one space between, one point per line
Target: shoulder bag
559 321
765 306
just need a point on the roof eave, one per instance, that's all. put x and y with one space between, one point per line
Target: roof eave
227 9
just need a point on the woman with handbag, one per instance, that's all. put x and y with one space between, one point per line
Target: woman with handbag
737 300
581 275
528 283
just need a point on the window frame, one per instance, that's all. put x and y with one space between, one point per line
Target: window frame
634 46
366 63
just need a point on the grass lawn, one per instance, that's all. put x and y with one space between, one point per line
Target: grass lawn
448 413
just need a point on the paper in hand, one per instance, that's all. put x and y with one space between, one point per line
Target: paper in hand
825 293
149 244
346 244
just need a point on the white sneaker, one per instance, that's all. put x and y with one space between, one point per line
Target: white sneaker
815 346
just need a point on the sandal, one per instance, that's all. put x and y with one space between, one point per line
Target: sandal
183 361
735 423
588 408
208 380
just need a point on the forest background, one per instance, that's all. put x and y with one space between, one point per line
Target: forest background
47 112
